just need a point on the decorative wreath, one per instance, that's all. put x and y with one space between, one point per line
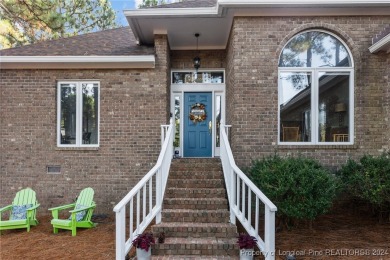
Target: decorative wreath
195 115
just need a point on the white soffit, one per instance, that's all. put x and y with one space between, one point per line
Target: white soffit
77 62
381 45
214 23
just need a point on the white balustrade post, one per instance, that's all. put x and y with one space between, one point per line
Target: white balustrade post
269 234
162 135
232 196
120 234
159 195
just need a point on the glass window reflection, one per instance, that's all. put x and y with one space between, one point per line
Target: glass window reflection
314 49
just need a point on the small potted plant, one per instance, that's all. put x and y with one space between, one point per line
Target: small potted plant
143 243
247 244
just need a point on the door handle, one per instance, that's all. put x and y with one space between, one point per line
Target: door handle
210 127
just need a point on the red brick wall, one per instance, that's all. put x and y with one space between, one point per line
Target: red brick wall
132 108
252 93
210 59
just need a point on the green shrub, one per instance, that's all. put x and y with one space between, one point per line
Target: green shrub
300 187
369 179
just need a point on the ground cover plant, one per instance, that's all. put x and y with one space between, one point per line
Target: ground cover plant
301 188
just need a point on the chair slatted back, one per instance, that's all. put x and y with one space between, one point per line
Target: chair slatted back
24 197
86 199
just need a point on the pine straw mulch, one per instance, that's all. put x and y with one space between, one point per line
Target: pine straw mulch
40 243
347 232
334 236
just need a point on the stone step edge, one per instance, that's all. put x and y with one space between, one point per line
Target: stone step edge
193 257
199 241
195 211
194 225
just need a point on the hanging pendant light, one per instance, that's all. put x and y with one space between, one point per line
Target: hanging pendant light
197 59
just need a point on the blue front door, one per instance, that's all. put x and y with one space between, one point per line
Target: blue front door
197 124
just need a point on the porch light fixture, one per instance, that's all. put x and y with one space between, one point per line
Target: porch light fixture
197 59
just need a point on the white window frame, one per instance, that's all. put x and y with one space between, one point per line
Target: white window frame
79 105
315 71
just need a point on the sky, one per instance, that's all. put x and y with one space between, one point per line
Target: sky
120 5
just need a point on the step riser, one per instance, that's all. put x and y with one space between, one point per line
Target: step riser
195 205
195 193
195 249
207 175
196 217
196 232
199 184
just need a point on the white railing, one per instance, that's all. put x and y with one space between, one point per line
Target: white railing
240 190
147 196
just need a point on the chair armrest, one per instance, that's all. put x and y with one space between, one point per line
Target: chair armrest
9 207
82 209
33 207
4 209
62 207
56 210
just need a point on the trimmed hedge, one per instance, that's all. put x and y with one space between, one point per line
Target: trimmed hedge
300 187
369 180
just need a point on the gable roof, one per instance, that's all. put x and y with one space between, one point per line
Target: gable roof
112 42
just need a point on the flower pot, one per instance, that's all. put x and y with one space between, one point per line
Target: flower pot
144 255
246 254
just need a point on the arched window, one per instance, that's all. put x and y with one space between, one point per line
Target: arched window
315 90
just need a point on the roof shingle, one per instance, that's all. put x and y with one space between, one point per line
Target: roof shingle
112 42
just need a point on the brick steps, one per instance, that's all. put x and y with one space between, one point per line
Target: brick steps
192 257
195 216
197 246
195 193
195 203
190 215
196 183
196 230
189 174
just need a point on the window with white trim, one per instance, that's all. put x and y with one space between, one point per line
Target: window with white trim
315 90
78 114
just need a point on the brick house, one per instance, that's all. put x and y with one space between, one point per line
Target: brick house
308 77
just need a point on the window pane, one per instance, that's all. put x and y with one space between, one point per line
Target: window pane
314 49
333 114
68 114
90 113
217 119
295 104
216 77
177 122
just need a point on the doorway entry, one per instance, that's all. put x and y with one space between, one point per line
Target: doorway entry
197 105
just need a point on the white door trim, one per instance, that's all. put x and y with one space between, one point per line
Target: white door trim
217 90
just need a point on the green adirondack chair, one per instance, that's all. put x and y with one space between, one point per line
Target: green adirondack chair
22 212
81 213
